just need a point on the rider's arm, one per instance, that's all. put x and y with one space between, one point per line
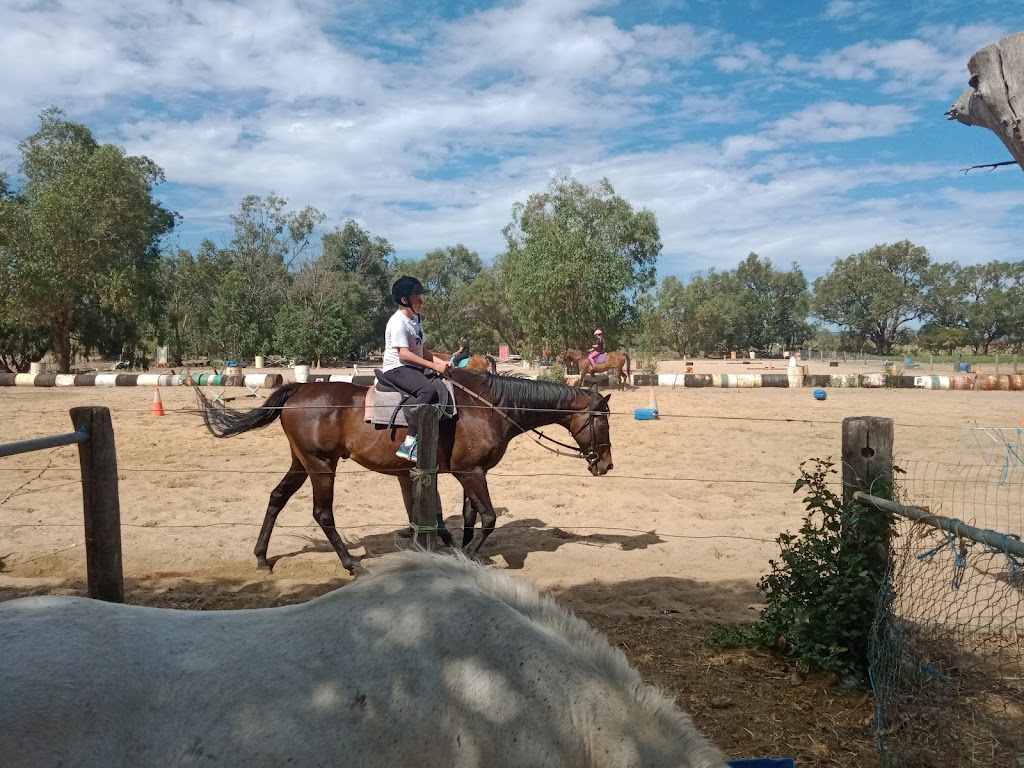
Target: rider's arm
408 357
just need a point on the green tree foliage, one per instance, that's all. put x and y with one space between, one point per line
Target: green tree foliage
876 293
81 239
487 304
774 304
267 241
365 264
193 283
577 257
313 322
984 301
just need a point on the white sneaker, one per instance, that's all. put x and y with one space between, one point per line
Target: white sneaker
407 450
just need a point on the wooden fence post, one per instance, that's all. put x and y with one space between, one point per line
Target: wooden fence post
867 467
426 502
98 460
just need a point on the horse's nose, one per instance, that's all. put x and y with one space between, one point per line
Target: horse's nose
610 466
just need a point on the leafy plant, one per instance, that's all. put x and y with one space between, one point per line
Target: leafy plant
649 366
821 593
554 372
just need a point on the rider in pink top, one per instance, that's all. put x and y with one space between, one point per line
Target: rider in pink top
597 348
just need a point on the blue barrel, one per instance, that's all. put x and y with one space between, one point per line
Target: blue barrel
965 367
645 414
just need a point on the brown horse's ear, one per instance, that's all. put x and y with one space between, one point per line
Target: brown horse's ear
606 398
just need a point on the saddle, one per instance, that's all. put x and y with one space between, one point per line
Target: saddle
384 401
600 359
464 363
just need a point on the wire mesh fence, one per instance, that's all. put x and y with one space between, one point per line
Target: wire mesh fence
947 658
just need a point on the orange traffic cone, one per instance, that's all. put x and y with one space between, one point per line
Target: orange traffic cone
158 406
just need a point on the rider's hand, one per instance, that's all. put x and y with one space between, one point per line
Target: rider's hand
443 366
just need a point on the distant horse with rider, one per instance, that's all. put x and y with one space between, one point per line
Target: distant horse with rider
616 361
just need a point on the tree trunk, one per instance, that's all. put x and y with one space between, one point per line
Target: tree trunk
61 329
995 98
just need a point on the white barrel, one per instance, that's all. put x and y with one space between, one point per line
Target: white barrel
25 379
65 380
106 379
872 380
259 361
302 373
669 379
37 367
149 380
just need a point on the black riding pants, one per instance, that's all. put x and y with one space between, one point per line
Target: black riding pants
424 387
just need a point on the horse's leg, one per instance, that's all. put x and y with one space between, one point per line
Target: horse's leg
408 496
468 519
475 485
321 473
292 481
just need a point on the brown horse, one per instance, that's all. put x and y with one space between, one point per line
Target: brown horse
476 362
324 422
616 362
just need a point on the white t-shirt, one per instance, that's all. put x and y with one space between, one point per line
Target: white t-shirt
402 332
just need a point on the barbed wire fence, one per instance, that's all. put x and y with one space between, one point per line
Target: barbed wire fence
947 658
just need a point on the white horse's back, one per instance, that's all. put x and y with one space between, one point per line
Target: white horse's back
429 661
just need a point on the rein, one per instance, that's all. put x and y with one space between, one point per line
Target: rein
578 452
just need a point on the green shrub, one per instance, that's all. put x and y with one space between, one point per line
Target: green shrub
554 372
822 591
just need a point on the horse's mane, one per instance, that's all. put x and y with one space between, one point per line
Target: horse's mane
514 393
604 659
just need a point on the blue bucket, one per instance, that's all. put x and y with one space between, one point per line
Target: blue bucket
645 414
965 367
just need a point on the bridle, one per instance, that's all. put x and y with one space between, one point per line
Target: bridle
593 455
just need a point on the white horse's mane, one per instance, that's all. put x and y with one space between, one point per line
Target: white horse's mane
606 660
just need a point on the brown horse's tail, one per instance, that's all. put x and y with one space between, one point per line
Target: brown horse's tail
493 363
629 372
225 422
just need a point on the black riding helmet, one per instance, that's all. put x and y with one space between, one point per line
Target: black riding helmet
404 287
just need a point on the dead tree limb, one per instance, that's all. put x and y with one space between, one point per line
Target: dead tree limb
995 96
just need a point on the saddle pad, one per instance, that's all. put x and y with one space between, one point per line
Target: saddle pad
602 358
379 406
463 363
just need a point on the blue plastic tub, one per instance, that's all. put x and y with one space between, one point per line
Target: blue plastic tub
965 367
645 414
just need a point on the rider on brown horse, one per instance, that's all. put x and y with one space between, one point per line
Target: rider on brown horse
462 353
597 348
407 359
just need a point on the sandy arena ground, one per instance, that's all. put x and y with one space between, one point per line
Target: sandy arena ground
676 536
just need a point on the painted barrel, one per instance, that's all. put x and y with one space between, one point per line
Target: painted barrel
961 382
697 380
106 380
872 380
775 380
7 379
37 368
46 380
670 379
85 379
127 380
65 380
301 373
25 379
268 380
259 362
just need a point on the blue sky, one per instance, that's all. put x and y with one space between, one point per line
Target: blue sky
802 131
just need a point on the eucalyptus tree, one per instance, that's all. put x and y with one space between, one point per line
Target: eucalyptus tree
80 237
364 262
877 293
268 241
577 257
313 323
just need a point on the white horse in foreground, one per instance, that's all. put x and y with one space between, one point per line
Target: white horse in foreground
429 661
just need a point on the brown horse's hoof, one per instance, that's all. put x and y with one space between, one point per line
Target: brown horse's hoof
264 566
357 569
